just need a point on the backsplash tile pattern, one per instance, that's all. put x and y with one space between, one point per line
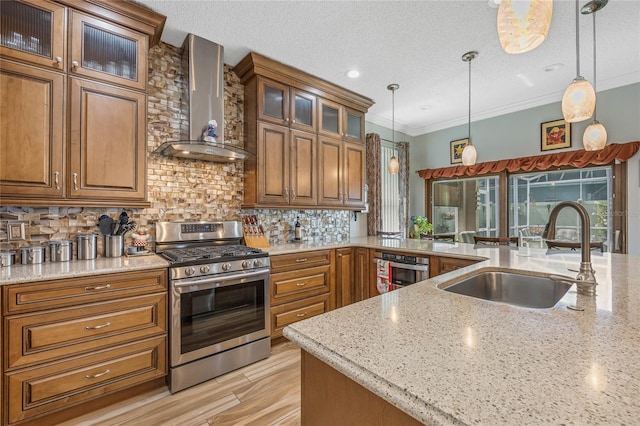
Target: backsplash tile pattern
178 189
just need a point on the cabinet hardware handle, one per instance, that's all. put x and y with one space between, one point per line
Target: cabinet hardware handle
293 193
74 64
56 174
75 181
286 194
95 376
286 119
301 315
304 259
97 327
98 287
301 284
340 196
58 59
339 254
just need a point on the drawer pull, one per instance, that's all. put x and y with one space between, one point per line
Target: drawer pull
97 327
301 315
304 259
95 376
301 284
97 288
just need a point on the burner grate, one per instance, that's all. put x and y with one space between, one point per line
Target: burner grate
209 252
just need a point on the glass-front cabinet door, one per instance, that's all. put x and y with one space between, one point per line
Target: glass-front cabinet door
330 118
273 102
107 52
354 125
33 31
303 110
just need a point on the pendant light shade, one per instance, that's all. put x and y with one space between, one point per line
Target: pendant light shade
394 164
469 153
579 100
523 24
595 135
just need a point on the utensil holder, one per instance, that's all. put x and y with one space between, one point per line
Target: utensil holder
87 246
113 245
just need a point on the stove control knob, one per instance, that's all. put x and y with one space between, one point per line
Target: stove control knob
226 266
257 263
189 271
246 264
204 269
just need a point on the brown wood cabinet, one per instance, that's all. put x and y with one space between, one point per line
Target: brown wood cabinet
302 286
321 162
352 275
441 265
87 145
70 341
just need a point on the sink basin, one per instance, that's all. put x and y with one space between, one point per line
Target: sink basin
512 288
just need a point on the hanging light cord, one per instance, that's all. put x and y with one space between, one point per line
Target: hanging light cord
469 122
393 119
577 40
594 64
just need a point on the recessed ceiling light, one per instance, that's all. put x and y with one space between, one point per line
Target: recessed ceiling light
352 73
494 3
553 67
425 107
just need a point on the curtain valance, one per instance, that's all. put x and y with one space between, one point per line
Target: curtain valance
579 158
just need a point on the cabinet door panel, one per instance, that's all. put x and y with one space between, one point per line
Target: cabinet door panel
107 52
330 118
304 168
345 288
31 131
303 110
108 142
354 174
33 31
273 102
273 157
330 172
354 126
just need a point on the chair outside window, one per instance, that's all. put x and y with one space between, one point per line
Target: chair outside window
528 239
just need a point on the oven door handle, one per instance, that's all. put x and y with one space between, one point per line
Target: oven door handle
420 267
196 284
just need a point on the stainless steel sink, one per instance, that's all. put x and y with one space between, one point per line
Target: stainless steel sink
512 288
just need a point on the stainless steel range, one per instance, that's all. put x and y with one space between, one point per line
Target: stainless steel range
219 295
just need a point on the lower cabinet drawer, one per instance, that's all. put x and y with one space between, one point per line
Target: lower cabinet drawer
50 335
289 286
36 391
288 313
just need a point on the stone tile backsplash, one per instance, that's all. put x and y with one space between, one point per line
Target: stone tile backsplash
178 189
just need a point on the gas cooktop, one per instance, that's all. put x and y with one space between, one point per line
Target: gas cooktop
222 253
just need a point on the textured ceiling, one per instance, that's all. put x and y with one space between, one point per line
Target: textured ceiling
417 44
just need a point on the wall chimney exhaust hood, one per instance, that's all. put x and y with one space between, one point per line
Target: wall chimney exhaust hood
203 101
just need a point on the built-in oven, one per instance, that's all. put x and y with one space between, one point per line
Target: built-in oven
403 269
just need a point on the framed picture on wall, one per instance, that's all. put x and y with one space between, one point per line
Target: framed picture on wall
555 135
456 148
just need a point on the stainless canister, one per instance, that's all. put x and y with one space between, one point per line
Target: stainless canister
113 245
7 258
87 246
32 254
60 251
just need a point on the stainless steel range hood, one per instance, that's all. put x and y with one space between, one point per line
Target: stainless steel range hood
203 100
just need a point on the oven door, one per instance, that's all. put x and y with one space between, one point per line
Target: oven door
405 274
211 315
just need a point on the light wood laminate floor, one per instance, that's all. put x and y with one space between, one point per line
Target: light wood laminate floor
264 393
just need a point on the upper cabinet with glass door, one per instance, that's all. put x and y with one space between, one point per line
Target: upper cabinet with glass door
340 121
33 31
108 52
280 104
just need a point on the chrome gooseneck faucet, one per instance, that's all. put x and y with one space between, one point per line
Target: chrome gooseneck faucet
586 280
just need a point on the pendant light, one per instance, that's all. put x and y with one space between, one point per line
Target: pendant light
523 24
595 135
579 100
469 153
394 164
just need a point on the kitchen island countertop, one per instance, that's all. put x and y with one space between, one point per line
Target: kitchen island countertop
449 359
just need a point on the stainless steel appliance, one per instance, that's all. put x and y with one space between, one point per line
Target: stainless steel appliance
219 300
405 269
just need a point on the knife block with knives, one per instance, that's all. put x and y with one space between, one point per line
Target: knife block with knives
254 235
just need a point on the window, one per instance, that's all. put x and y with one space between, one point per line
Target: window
534 195
390 192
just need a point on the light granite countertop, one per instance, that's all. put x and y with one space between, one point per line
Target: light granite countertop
449 359
78 268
